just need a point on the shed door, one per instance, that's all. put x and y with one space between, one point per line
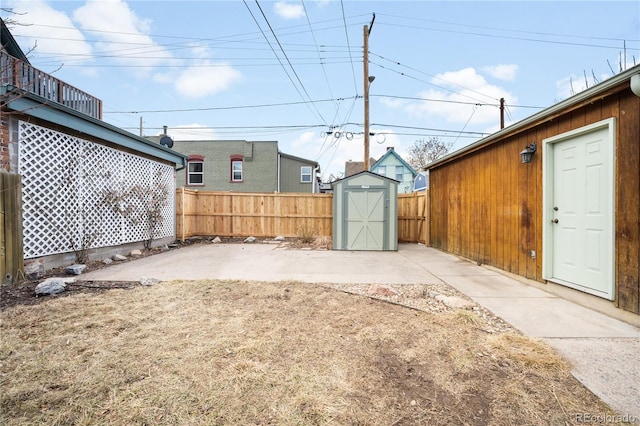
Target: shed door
581 215
365 219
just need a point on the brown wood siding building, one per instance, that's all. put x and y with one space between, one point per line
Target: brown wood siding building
488 206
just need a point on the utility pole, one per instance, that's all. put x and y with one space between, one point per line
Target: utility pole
367 81
502 113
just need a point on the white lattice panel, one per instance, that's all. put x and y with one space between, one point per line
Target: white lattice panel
64 181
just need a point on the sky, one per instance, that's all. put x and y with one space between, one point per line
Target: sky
293 71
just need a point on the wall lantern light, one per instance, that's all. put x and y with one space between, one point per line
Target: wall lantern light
635 84
527 153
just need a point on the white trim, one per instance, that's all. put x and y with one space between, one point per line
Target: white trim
547 200
233 170
310 174
191 173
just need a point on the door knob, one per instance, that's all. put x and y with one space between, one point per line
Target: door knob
555 221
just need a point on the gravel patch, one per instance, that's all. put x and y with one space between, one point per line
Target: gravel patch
429 298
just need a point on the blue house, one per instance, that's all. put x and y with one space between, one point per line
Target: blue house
421 183
393 166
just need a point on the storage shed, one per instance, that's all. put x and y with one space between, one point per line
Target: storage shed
365 213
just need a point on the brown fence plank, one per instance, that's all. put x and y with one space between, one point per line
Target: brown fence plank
231 214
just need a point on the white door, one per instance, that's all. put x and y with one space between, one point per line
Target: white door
365 211
580 210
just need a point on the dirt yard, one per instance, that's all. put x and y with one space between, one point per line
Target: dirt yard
240 353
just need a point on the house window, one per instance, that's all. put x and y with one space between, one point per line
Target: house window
382 170
305 174
399 173
236 168
195 170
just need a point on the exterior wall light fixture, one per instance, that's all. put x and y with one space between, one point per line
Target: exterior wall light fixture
527 153
635 84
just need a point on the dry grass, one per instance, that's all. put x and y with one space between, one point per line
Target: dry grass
261 353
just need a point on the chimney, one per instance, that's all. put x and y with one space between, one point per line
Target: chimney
165 129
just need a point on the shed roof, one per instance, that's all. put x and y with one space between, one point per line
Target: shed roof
362 173
600 90
303 160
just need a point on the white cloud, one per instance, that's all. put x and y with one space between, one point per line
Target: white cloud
191 132
322 3
573 84
122 34
457 98
393 103
303 142
502 71
206 79
52 31
288 11
570 86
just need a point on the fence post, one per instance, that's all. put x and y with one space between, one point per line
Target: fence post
12 262
426 218
181 218
417 222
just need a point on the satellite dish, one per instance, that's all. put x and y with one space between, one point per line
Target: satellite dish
167 141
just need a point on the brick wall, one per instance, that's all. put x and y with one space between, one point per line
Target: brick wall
259 170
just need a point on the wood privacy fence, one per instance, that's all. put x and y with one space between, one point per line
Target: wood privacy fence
413 217
233 214
11 256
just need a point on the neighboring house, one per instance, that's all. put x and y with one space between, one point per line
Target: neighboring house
298 174
569 217
421 182
244 166
393 166
354 167
71 162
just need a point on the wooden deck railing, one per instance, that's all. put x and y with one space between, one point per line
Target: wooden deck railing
21 75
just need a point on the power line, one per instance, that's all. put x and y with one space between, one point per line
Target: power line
567 43
432 76
285 55
324 71
210 65
589 37
346 35
316 126
429 129
454 102
222 108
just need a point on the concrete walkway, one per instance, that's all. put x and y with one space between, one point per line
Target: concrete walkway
603 351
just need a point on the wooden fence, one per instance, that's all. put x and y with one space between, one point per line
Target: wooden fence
413 217
11 256
232 214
